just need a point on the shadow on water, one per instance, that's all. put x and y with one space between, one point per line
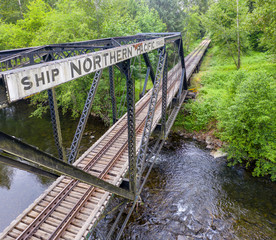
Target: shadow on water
19 188
191 195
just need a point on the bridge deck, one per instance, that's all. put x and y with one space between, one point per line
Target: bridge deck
108 159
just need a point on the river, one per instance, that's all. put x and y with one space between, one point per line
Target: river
189 194
18 188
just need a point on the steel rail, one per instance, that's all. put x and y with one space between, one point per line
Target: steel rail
65 192
198 53
60 229
196 49
57 200
192 56
157 146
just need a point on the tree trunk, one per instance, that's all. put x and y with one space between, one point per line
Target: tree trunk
20 7
238 38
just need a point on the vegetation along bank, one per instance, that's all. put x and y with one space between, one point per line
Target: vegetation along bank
235 109
236 86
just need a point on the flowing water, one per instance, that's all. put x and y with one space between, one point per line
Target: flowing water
189 194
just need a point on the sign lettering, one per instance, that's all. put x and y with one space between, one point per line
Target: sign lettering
30 80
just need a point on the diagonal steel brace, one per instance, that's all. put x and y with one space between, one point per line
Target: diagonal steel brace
148 124
84 117
15 147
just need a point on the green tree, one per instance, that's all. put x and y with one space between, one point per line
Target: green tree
263 20
192 26
148 19
12 10
67 23
225 21
202 5
34 19
170 12
24 31
12 36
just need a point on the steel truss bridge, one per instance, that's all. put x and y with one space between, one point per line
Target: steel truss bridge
72 206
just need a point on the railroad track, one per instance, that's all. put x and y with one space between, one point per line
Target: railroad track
72 196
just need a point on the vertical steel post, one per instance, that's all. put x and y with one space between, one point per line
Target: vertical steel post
112 94
131 126
164 97
183 80
56 123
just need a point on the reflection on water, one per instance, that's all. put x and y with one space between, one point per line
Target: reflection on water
6 176
23 189
191 195
16 121
19 188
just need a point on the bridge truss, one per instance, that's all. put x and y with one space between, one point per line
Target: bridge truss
31 70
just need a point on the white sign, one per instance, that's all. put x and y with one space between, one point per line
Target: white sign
26 81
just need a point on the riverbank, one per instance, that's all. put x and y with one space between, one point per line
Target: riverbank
206 135
234 109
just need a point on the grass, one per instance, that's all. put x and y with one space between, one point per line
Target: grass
237 106
215 66
251 61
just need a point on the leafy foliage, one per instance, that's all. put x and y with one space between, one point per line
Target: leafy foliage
248 123
221 23
192 26
170 12
262 23
10 10
67 23
148 20
243 106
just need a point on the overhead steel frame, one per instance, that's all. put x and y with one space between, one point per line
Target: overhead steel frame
16 58
30 56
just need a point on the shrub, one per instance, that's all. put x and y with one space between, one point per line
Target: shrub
248 124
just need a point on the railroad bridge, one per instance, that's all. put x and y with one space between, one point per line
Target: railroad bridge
72 206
